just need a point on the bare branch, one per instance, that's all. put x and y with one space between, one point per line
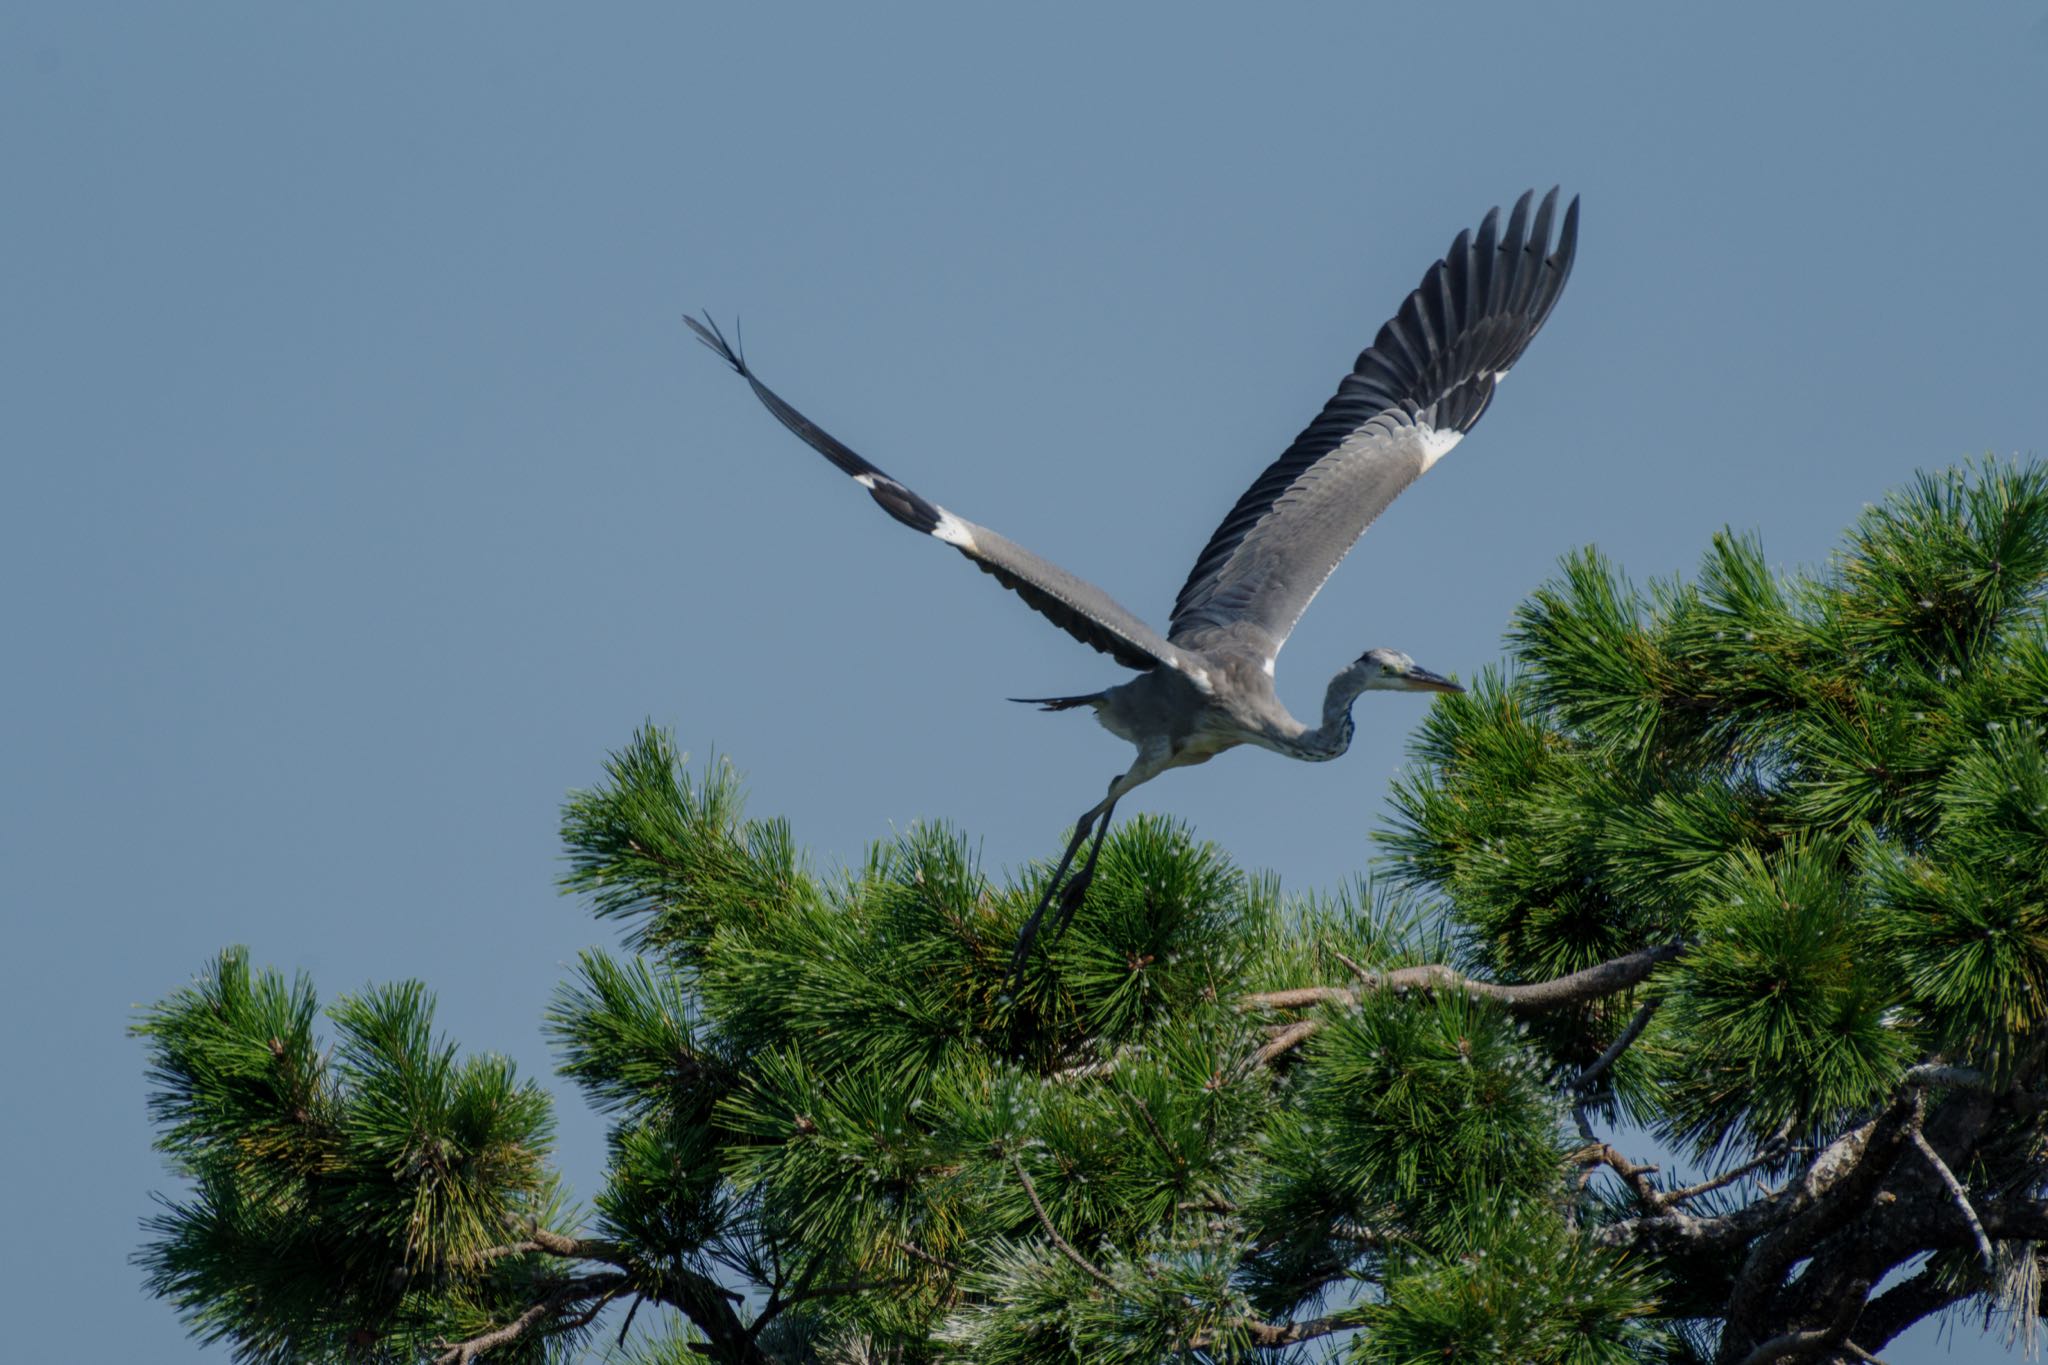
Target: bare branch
1905 1303
1268 1335
1962 1198
950 1267
539 1238
1831 1335
1772 1151
1802 1342
1931 1074
1045 1220
1585 1078
1301 997
1636 1177
1357 969
1086 1071
805 1292
776 1303
1286 1040
601 1288
1214 1203
1166 1148
1533 997
1272 1334
1833 1190
498 1253
1939 1073
697 1296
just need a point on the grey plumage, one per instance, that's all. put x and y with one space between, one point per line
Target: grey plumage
1207 685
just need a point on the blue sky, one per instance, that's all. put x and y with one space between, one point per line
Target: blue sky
361 487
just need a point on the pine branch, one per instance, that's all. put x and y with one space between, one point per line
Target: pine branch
600 1288
697 1296
1773 1150
1066 1248
1268 1336
1805 1341
1265 1335
1961 1197
804 1292
937 1262
1637 1177
1535 997
1585 1079
1285 1040
560 1244
1905 1303
1835 1188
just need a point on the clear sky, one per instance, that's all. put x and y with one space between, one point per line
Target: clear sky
360 487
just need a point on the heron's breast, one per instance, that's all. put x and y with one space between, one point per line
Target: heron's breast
1202 746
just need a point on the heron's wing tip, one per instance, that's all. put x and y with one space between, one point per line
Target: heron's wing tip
709 332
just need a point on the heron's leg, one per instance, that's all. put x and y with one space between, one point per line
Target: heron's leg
1082 828
1077 886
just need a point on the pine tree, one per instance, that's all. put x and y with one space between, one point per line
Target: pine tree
1752 866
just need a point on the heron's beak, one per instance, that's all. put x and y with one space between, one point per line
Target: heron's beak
1422 680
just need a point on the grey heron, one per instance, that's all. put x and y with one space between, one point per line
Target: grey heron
1206 685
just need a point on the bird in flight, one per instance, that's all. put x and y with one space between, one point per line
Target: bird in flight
1206 685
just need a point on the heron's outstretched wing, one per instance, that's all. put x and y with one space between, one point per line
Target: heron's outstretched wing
1073 604
1421 386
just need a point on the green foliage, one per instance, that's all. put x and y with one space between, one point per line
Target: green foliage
1773 1021
672 855
1524 1288
1203 1125
888 1106
334 1199
1432 1109
1832 786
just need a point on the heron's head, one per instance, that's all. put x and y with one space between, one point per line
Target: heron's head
1389 670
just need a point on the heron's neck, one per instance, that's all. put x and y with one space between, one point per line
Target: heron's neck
1333 736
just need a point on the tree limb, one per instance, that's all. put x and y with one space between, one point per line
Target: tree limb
1804 1341
1272 1334
1771 1152
1835 1188
950 1267
539 1238
1961 1197
603 1288
1904 1304
1268 1335
1636 1177
1584 1080
1534 997
1045 1220
1286 1040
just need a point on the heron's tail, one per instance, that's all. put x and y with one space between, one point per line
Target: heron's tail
1060 703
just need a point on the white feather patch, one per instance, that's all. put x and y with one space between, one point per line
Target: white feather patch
1437 444
953 531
